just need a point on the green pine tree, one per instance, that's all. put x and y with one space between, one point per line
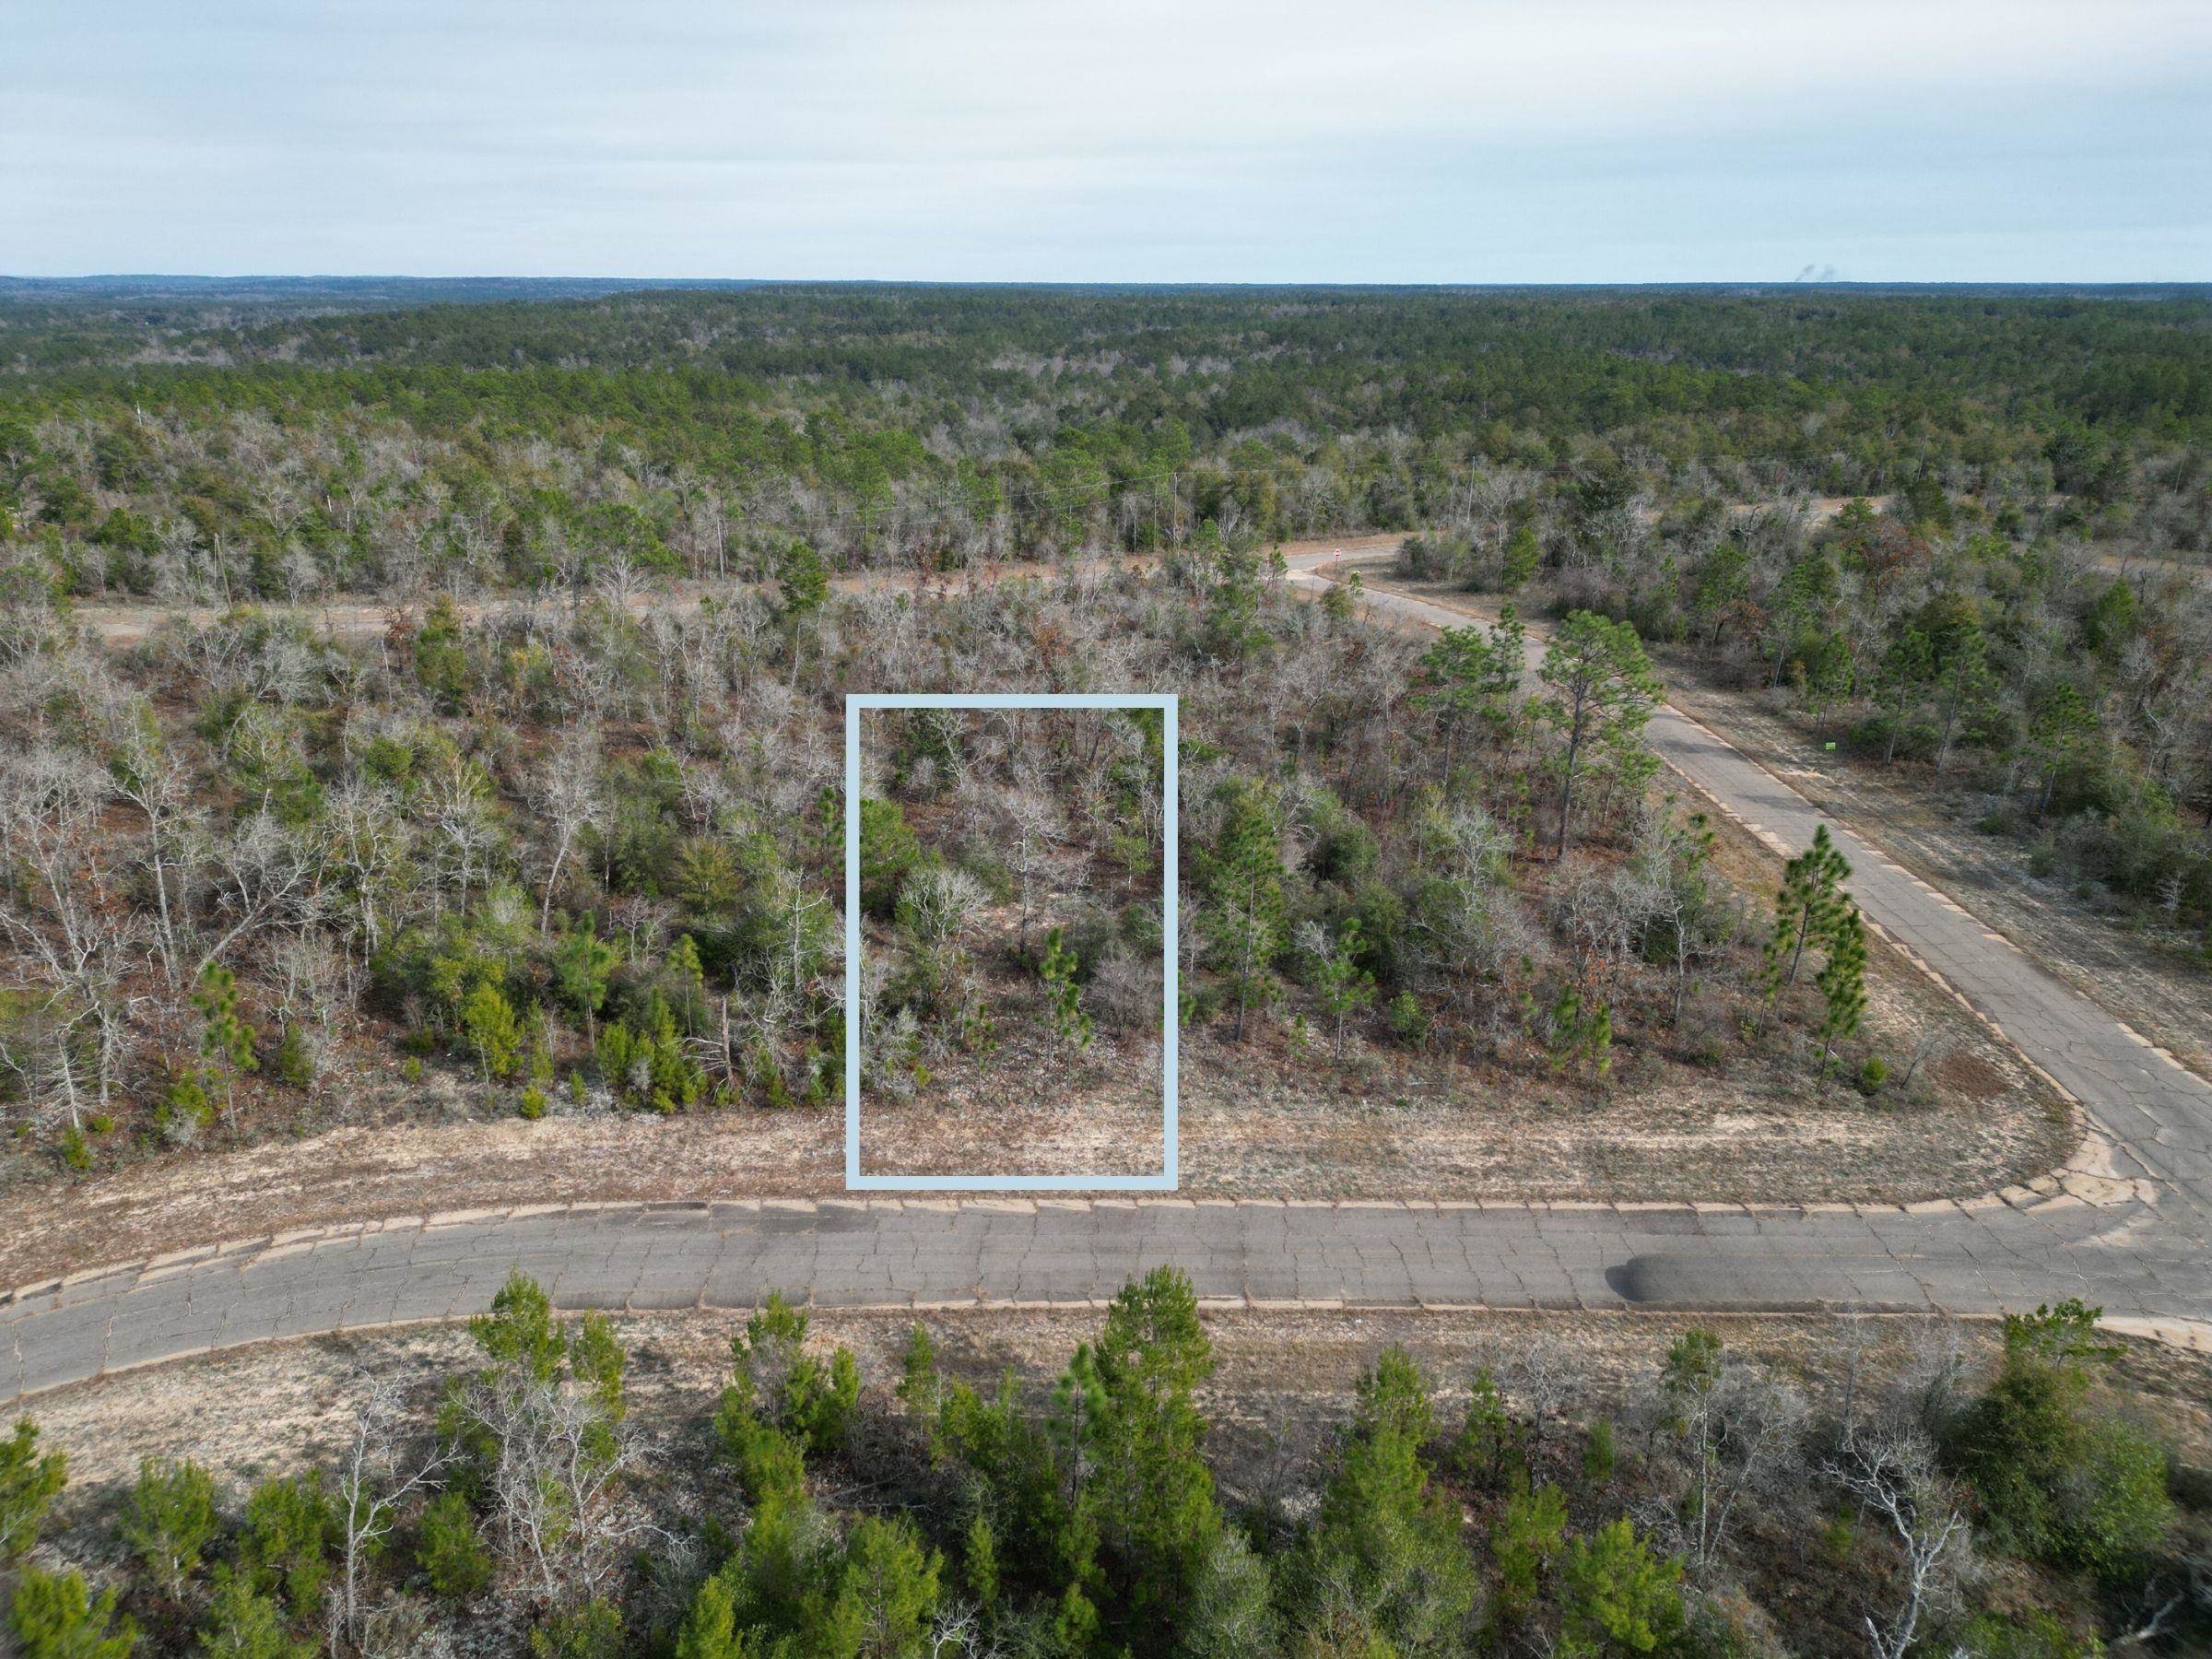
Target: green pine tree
803 581
290 1527
1524 553
169 1520
242 1623
54 1616
1346 988
1603 692
1469 672
29 1484
1617 1596
228 1040
1243 917
1070 1023
1843 979
1809 903
583 969
1386 1541
489 1025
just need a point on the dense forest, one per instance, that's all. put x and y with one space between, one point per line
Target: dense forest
2025 610
227 452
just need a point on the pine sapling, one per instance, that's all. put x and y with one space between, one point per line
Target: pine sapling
1842 980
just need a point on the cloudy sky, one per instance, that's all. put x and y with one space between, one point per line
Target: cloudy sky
1118 140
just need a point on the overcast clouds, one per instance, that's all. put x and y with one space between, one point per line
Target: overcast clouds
1204 140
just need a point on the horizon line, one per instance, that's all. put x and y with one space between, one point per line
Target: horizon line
635 280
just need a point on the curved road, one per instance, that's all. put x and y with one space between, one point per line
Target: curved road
2127 1227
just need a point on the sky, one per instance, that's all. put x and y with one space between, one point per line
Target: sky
1118 140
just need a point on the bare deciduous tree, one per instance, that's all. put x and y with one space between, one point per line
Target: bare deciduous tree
1035 823
74 936
568 795
1890 1472
559 1483
1726 1430
371 1489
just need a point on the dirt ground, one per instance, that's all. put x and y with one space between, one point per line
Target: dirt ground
125 623
1282 1377
1041 1117
1261 1118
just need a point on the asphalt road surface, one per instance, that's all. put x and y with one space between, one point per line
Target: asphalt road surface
2125 1227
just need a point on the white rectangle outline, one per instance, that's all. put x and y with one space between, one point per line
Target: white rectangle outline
1165 1182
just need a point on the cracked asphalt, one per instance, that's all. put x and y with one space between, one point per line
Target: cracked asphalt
2124 1225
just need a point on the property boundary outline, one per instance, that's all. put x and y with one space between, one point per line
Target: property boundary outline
1169 706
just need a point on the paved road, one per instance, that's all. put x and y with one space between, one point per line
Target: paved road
2152 1115
2126 1228
878 1253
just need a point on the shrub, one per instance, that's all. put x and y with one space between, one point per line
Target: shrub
2058 1479
29 1485
1599 1456
590 1631
441 654
290 1531
185 1108
227 1040
54 1617
169 1519
1063 993
770 1464
1489 1441
242 1623
292 1065
645 1064
448 1550
889 851
774 1376
2034 1635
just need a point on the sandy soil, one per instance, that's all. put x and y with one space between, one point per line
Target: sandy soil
127 623
1282 1377
1257 1119
1116 1129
